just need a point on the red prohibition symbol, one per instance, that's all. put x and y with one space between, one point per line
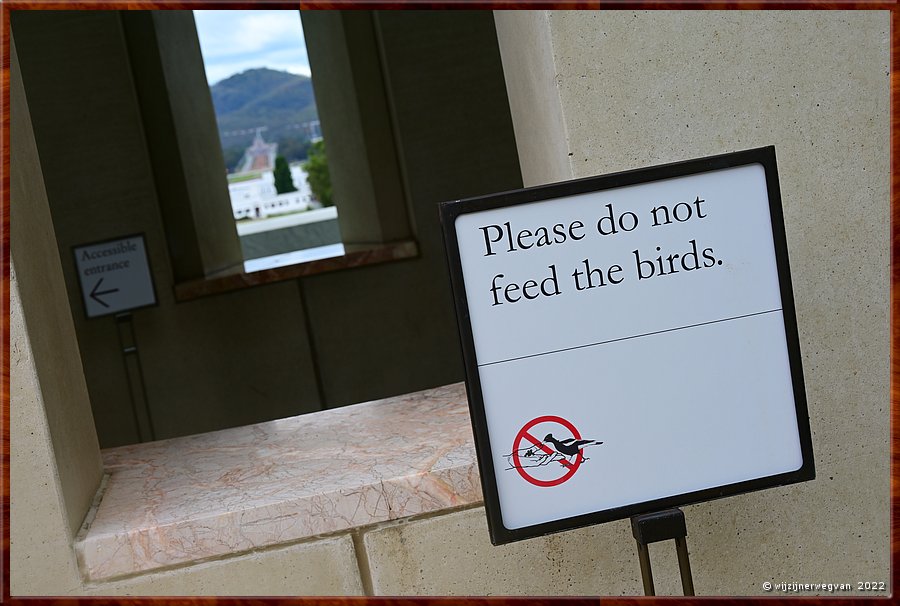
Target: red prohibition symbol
569 469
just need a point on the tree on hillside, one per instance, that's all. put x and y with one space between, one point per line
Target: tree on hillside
232 156
316 167
294 148
282 173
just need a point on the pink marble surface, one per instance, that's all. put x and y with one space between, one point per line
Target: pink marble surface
186 499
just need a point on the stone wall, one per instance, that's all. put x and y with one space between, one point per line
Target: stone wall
634 89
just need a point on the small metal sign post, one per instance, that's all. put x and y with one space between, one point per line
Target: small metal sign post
662 526
630 345
114 276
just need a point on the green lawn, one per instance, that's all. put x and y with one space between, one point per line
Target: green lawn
244 177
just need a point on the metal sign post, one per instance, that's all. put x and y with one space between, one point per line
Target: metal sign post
115 278
662 526
134 373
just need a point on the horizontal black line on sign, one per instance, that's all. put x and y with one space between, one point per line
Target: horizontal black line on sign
646 334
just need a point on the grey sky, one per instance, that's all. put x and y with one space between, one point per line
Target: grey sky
233 41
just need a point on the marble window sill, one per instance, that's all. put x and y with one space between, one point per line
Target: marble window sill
236 278
186 499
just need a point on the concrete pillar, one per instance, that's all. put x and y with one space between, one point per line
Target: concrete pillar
55 465
356 125
529 67
448 104
183 142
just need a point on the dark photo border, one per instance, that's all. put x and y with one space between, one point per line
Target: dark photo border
893 331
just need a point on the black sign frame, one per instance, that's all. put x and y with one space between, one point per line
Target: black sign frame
450 211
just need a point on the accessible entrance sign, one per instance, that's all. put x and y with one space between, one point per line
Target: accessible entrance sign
114 276
630 342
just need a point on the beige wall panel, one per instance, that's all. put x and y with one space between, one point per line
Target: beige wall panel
645 88
326 567
452 555
42 561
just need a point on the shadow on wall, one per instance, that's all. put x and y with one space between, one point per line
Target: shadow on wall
281 349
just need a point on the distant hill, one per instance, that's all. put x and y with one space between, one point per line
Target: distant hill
262 97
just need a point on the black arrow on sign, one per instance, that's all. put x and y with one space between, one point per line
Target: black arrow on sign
95 294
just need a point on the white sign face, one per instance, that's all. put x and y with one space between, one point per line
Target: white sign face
114 276
630 346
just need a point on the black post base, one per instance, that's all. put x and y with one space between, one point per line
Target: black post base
662 526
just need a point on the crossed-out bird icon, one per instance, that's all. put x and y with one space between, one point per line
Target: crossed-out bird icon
549 450
570 447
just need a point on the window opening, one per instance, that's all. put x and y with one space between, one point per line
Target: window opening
261 85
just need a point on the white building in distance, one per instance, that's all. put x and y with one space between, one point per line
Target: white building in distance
253 196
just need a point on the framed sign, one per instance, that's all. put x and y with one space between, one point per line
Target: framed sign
114 276
630 342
